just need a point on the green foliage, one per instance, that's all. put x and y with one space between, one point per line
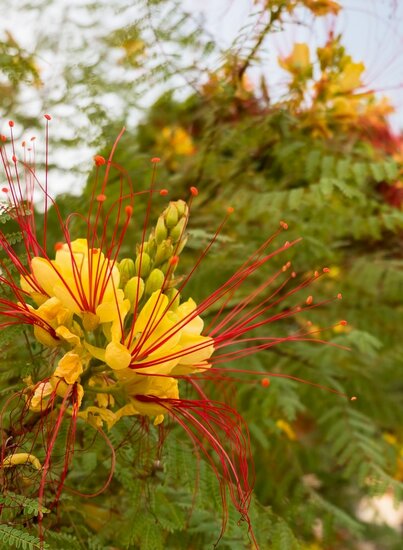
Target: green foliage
15 538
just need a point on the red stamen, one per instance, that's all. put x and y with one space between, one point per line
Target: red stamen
154 160
194 191
101 197
48 117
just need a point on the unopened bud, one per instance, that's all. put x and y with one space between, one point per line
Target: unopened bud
164 252
18 459
150 247
182 208
178 230
181 245
126 270
134 289
155 281
143 265
161 232
171 216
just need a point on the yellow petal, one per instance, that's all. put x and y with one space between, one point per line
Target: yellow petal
65 334
98 353
45 273
195 349
117 356
69 367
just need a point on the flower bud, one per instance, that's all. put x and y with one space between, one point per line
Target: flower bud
182 208
143 264
154 281
134 289
181 245
150 247
165 251
178 230
127 270
161 232
171 216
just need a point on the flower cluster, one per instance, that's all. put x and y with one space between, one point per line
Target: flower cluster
121 338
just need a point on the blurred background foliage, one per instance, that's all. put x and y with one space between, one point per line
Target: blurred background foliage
322 157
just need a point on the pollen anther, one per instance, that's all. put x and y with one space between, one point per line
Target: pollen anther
99 160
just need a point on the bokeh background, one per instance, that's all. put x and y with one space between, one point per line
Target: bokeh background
284 110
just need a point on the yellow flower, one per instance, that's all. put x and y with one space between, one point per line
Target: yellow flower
178 141
287 429
79 276
298 62
96 416
155 389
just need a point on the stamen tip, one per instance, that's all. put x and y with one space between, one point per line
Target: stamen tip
343 323
354 398
154 160
174 260
48 117
101 197
265 382
11 123
339 296
163 192
99 160
326 270
129 210
283 224
58 246
194 191
309 300
230 210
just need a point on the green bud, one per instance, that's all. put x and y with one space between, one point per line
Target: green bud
177 231
150 247
161 232
154 281
145 261
126 270
182 208
134 289
181 245
171 216
164 251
